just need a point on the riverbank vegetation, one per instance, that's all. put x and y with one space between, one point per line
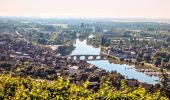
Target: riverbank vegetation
65 49
162 58
144 48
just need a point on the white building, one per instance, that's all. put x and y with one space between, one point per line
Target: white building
74 70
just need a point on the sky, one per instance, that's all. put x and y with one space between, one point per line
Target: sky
87 8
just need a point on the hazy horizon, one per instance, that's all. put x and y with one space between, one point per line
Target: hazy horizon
86 8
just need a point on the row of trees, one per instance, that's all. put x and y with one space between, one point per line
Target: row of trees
17 88
29 70
162 59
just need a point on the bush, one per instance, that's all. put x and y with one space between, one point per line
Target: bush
17 88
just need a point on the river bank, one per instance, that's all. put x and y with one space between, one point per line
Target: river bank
127 70
139 66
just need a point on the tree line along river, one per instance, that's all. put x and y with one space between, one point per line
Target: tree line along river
124 69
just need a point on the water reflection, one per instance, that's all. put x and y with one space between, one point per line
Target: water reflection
126 70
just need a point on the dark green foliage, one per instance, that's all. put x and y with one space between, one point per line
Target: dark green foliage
84 77
165 84
168 39
157 61
65 49
162 58
105 41
29 70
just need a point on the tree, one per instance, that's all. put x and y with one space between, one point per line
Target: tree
147 58
165 84
157 61
165 60
84 77
168 39
167 65
151 29
138 58
17 88
121 42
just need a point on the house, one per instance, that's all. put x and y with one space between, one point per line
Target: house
74 70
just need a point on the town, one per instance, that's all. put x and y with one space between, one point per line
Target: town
40 50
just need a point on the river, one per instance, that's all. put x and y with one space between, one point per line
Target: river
124 69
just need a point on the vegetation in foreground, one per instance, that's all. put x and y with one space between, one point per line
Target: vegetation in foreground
17 88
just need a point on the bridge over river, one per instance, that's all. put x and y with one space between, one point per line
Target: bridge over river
87 57
84 51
